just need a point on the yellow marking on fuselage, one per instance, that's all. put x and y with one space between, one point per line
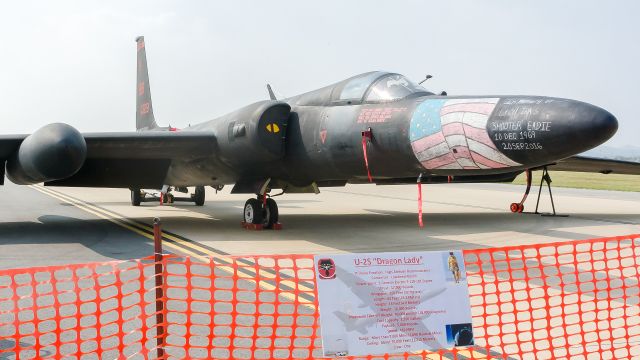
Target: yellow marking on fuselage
273 128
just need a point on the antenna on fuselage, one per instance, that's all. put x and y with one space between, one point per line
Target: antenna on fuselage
425 79
272 96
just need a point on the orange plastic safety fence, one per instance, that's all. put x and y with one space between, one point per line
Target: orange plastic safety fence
576 300
571 300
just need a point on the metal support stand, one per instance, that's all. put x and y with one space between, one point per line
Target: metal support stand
546 178
159 283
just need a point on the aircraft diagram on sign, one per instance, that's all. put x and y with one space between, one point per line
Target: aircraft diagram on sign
376 127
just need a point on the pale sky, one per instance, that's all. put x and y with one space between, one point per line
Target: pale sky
74 61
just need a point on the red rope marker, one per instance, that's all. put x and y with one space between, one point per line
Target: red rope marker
366 135
420 223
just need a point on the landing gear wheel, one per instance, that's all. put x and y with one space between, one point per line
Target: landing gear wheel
519 207
253 212
515 207
270 214
198 196
136 197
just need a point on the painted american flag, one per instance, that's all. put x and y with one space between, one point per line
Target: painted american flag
452 134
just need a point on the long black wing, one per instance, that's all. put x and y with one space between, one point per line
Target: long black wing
128 159
597 165
174 145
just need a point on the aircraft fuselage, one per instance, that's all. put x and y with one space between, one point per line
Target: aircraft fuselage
429 135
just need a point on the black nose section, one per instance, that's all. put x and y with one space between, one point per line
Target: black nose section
536 130
594 125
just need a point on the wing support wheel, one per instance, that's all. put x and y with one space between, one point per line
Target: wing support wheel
519 206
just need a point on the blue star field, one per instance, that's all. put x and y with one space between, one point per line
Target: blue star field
426 119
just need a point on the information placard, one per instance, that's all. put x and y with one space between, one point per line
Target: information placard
391 303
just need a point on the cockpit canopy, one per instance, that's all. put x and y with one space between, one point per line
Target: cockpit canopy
372 87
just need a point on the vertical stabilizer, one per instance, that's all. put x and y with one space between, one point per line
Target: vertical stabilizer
144 109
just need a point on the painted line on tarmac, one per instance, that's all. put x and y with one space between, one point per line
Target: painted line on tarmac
180 243
114 219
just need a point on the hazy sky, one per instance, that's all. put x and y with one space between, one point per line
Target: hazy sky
74 61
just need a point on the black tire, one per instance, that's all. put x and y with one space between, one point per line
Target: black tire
271 214
198 196
136 197
253 212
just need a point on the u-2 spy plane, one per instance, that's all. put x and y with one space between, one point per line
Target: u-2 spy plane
376 127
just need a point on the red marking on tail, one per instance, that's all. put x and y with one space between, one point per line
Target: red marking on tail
141 88
140 45
144 108
323 135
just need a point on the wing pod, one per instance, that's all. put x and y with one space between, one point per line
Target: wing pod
55 151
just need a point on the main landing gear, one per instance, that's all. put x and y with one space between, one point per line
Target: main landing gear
261 213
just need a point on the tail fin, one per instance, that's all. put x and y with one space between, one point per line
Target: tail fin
144 109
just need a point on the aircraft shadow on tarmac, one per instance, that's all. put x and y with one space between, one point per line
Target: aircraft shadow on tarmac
98 235
282 204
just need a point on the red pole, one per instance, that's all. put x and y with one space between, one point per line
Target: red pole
157 249
420 223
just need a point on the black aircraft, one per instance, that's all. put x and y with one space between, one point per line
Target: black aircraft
376 127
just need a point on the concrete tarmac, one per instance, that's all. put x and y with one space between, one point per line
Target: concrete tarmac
47 226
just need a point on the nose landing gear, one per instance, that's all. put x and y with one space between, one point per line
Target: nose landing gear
519 207
261 213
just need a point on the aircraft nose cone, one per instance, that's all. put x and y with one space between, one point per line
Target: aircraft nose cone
538 131
577 127
595 125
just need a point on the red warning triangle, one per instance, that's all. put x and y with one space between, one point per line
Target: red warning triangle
323 135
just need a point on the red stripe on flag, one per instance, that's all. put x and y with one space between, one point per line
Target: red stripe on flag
481 160
427 142
461 152
479 135
454 128
445 159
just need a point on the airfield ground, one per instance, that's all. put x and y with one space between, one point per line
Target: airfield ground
596 181
47 226
41 226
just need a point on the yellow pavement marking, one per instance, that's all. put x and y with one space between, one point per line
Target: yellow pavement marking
117 217
139 229
115 220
